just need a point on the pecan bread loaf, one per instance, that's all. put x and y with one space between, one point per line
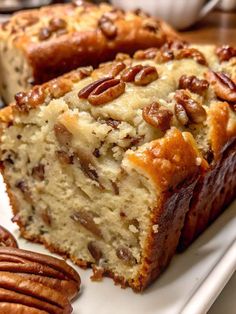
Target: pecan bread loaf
110 166
38 45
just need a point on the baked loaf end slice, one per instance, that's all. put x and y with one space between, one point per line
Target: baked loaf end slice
38 45
103 168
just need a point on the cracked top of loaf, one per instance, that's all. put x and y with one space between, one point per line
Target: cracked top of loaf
59 38
167 109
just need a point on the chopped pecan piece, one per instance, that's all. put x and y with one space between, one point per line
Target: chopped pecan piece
64 157
225 53
22 185
223 86
147 75
117 68
113 123
158 116
6 238
126 256
95 251
107 26
56 24
195 112
181 114
151 25
44 33
146 54
27 100
39 268
106 91
38 172
191 53
194 84
174 45
62 134
86 220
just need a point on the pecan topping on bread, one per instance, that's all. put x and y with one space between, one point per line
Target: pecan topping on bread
56 24
225 53
193 84
44 33
107 26
102 91
191 53
140 75
195 111
158 116
25 101
6 238
146 54
39 268
117 68
222 84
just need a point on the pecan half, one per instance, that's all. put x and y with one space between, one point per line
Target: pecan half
140 75
191 53
40 268
195 112
158 116
223 86
106 91
225 53
107 26
194 84
6 238
147 75
86 220
29 296
87 90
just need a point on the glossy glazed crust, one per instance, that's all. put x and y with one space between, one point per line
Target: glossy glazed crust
81 41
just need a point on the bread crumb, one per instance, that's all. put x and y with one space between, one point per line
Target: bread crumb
155 228
133 229
198 161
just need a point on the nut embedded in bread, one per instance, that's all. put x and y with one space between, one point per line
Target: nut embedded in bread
105 170
38 45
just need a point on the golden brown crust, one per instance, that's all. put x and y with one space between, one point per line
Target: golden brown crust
213 193
82 38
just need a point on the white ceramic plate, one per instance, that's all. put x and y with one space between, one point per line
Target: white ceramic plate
189 286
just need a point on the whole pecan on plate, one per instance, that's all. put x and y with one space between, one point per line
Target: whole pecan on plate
188 110
39 268
193 84
140 75
223 86
7 239
158 116
23 296
102 91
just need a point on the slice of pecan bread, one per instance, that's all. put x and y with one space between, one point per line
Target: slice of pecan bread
38 45
104 168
